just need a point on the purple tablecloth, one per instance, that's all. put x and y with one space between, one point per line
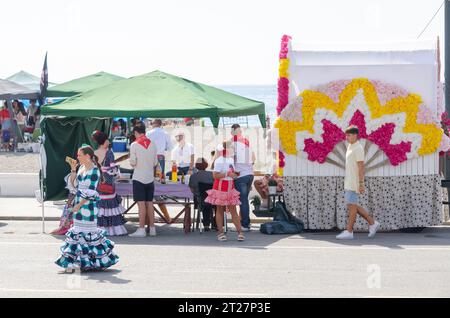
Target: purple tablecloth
176 190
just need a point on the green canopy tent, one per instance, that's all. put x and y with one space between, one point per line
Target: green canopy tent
158 95
28 80
82 84
154 95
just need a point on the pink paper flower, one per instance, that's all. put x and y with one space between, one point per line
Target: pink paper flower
318 151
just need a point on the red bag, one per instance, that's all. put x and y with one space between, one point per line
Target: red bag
105 188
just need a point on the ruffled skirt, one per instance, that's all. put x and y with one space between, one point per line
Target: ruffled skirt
87 251
223 194
110 215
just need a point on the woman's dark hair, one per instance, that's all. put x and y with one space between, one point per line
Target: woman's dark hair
201 164
132 139
22 109
88 150
352 130
99 137
139 127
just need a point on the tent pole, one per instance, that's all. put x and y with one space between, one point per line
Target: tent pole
41 177
42 190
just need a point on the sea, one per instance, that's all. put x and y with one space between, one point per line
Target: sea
263 93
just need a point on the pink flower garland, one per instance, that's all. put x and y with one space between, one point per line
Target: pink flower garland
382 138
332 135
283 89
283 82
318 151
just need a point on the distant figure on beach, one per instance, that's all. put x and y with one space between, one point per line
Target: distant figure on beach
110 209
86 247
143 158
354 185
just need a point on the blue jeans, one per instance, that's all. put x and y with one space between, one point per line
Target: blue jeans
243 185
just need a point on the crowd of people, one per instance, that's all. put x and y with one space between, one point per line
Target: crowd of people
94 211
94 208
23 120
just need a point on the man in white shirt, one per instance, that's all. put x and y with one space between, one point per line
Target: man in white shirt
244 159
162 141
354 185
183 155
143 158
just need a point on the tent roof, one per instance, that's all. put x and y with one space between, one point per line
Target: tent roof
158 95
11 90
82 84
26 79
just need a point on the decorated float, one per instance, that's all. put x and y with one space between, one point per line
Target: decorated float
393 95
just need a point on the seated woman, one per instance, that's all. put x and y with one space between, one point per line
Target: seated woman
110 209
262 186
202 176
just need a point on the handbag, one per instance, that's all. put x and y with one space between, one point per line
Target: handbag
105 188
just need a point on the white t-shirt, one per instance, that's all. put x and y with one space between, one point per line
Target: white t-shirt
222 165
161 139
182 156
244 158
355 153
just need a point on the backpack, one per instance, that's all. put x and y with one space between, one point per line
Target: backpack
283 222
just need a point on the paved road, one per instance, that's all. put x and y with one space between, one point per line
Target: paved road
195 265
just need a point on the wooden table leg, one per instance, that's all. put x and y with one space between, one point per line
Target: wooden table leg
187 218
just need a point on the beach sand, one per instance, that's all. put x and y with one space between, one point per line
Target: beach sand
19 162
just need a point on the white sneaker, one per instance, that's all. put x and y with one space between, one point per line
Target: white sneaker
152 231
373 229
140 232
345 235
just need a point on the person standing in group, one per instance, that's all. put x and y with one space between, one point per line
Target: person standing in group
162 141
5 122
86 247
244 159
223 194
32 109
354 185
110 209
143 158
183 155
19 116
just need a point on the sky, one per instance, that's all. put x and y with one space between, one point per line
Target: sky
232 42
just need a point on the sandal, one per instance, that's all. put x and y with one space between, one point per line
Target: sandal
241 237
222 237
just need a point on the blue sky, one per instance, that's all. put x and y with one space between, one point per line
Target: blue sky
215 42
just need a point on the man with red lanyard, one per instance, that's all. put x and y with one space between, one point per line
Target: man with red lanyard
244 159
143 158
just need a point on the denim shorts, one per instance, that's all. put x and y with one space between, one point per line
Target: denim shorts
351 197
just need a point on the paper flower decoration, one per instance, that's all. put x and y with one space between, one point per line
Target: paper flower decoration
398 122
